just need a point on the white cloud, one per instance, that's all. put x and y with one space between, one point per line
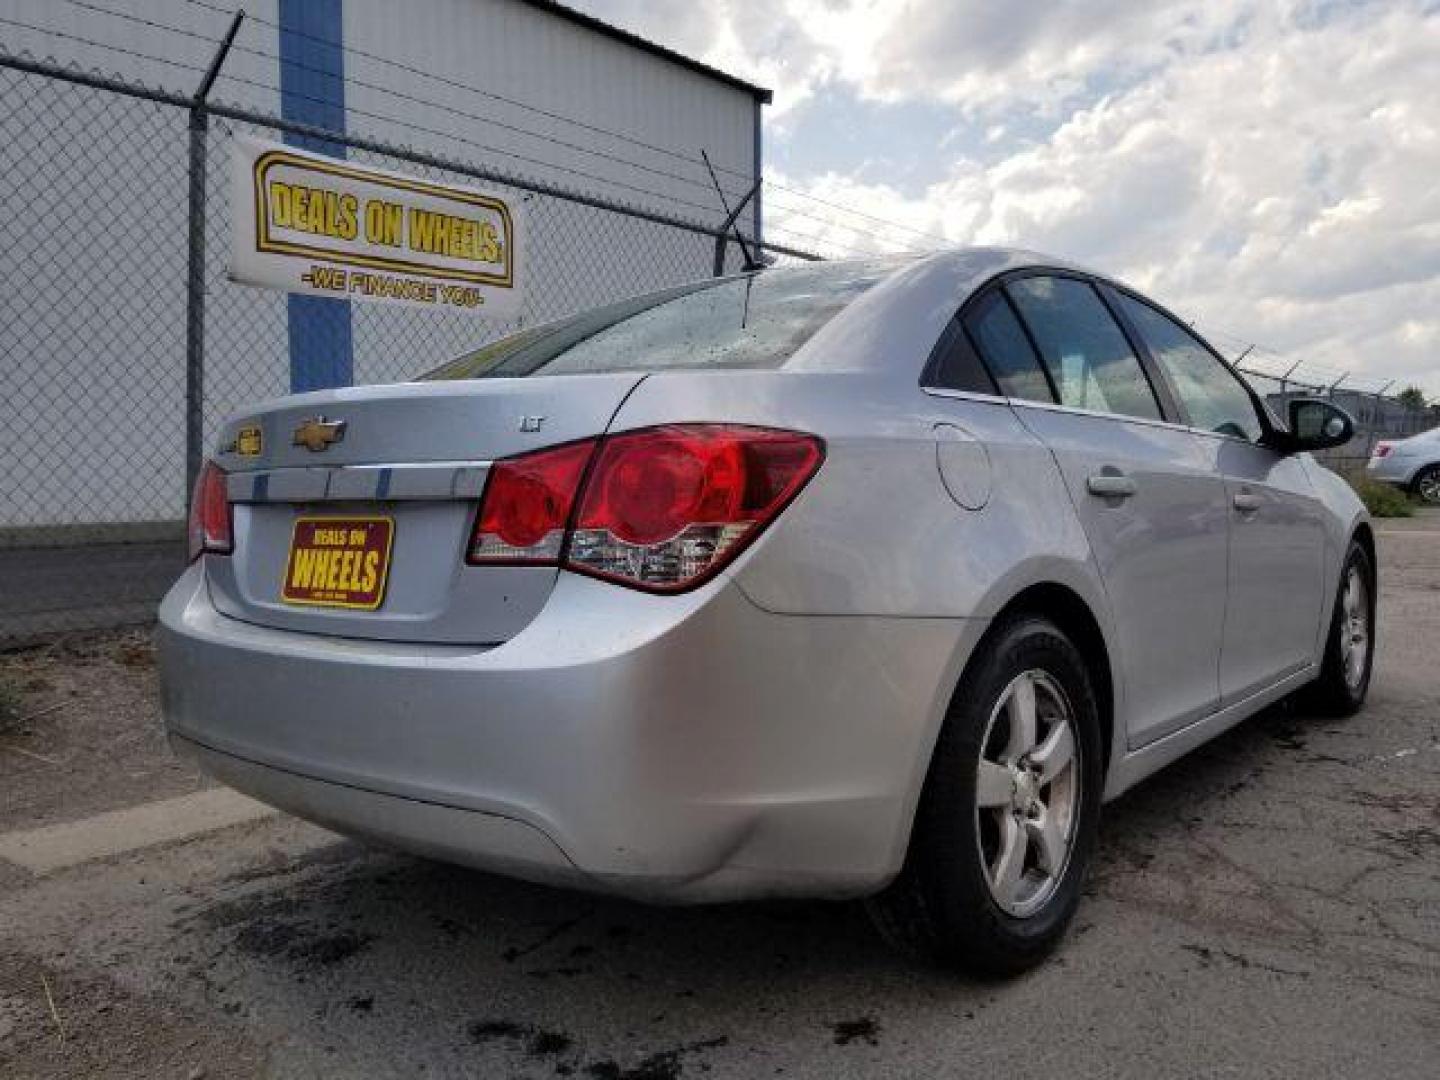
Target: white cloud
1266 169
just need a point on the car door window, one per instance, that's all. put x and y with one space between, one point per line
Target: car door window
1213 398
1088 357
1001 342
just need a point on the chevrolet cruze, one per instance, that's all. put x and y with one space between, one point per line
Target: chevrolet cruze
870 579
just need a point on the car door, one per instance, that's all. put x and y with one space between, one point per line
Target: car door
1151 503
1276 578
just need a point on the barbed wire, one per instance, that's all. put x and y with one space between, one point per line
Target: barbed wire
467 87
785 207
122 50
351 80
835 236
689 159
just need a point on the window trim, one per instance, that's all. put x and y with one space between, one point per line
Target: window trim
953 336
1262 414
1164 403
1172 414
1045 371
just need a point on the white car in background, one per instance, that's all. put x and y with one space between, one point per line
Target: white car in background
1413 464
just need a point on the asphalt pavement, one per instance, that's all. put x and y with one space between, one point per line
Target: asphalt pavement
1267 907
48 590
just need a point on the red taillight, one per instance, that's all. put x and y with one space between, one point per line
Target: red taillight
666 507
210 528
1382 449
527 504
662 508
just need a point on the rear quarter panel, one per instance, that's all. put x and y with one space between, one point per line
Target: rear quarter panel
877 532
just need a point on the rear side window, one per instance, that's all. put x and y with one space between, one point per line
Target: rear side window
1006 350
1083 348
753 321
1213 397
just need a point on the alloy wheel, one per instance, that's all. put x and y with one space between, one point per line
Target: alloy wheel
1428 486
1027 793
1354 627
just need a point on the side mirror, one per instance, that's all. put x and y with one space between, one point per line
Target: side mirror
1316 425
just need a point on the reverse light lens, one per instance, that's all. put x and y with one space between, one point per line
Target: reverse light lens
210 528
662 509
526 506
665 508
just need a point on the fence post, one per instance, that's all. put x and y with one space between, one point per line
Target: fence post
195 267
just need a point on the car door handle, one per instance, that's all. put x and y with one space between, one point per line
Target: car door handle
1110 485
1247 502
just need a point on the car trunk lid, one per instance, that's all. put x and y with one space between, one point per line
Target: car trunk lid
396 471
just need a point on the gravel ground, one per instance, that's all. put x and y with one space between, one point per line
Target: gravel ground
1269 906
86 736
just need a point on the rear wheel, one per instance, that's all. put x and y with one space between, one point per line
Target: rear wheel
1427 484
1006 822
1350 646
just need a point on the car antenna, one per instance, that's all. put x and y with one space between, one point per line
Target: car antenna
751 261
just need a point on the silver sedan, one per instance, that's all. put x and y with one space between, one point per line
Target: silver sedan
868 579
1411 464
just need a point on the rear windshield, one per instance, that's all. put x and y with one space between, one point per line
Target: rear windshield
752 321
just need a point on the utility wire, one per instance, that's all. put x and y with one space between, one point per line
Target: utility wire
669 152
420 72
525 132
102 45
772 186
411 125
391 91
456 137
784 207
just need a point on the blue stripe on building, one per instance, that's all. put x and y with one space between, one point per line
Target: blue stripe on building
312 91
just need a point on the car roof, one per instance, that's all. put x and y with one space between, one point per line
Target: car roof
899 320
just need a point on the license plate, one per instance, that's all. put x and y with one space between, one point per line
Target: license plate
338 562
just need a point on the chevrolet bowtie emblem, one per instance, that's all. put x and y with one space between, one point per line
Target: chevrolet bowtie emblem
317 433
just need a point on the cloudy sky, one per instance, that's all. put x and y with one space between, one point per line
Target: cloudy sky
1270 170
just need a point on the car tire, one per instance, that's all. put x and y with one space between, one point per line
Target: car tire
1344 678
957 901
1426 485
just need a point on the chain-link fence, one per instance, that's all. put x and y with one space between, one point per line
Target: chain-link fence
124 344
119 366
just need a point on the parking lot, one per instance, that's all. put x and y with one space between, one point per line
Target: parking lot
1269 906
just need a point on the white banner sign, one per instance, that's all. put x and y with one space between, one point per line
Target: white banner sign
308 223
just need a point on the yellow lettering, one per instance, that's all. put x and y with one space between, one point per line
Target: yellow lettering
280 204
348 227
332 570
347 570
300 571
384 222
372 572
457 237
300 207
490 249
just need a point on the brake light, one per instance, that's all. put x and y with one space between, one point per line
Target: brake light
661 509
1382 449
665 508
210 526
526 505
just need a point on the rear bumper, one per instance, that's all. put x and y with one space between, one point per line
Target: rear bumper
1392 468
671 748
